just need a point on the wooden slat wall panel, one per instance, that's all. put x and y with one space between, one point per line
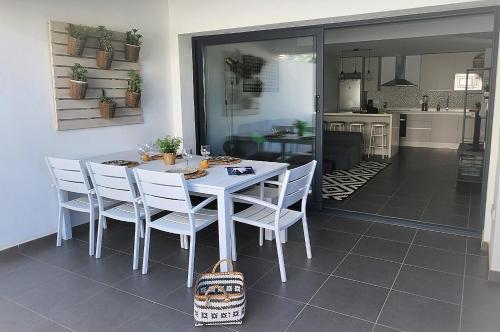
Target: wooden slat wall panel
79 114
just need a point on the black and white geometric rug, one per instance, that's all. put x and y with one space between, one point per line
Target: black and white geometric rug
340 184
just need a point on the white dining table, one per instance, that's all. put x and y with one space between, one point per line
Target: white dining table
217 182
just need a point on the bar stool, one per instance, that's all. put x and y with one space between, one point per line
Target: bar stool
358 127
378 139
337 126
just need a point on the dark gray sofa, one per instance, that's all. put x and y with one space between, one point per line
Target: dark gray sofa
341 150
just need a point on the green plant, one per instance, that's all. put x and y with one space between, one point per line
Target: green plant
134 38
301 127
106 100
134 82
169 144
79 31
104 38
78 73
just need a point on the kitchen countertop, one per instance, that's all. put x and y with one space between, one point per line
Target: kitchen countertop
455 111
357 114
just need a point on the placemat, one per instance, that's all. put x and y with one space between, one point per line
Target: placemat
119 162
223 160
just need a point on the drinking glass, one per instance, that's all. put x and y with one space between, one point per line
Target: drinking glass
141 151
187 154
205 151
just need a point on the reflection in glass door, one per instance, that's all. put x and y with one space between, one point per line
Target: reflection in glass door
261 100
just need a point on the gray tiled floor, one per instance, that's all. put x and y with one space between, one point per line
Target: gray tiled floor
419 184
362 277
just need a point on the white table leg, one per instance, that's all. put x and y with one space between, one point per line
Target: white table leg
224 215
66 230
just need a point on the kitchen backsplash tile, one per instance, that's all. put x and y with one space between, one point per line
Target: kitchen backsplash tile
409 97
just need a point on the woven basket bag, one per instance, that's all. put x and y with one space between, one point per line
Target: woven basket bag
219 297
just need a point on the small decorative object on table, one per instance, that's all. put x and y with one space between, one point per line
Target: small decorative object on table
223 160
78 81
77 38
127 163
219 297
301 127
133 45
143 151
133 94
107 106
169 146
104 55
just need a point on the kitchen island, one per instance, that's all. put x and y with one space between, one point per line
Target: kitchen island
391 121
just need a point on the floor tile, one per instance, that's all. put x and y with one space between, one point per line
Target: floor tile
15 318
407 203
361 206
266 251
314 319
300 285
440 240
334 240
180 299
205 257
391 232
11 260
436 259
103 312
252 268
48 326
323 260
413 313
110 269
156 284
399 212
370 270
480 319
59 293
481 294
317 218
380 328
477 266
351 298
438 285
474 247
379 248
347 225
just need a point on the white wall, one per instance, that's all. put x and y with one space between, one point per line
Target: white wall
27 134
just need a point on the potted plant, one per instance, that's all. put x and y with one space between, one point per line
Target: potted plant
169 146
133 45
107 106
78 81
301 127
77 37
133 95
104 55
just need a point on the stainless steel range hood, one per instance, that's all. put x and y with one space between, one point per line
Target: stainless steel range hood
400 80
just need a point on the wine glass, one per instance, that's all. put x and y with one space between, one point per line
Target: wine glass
187 154
205 151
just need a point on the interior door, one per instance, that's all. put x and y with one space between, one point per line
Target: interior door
259 96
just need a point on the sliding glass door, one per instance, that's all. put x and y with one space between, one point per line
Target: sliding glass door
259 96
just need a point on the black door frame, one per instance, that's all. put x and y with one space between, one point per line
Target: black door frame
198 44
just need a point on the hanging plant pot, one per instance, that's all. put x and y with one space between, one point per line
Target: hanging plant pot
104 59
132 99
132 52
107 110
76 46
77 89
169 158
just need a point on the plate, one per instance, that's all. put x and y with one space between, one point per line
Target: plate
184 171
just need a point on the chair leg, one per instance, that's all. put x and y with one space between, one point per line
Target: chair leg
135 264
306 237
92 233
233 240
191 260
145 258
186 242
181 237
105 225
59 226
261 236
281 260
100 227
142 229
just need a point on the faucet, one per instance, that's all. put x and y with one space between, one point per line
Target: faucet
447 103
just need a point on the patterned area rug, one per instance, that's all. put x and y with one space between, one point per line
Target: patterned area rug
340 184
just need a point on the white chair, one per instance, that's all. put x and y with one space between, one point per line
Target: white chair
69 176
169 192
262 214
115 182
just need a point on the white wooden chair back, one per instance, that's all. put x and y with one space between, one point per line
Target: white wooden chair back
296 185
163 191
68 175
112 182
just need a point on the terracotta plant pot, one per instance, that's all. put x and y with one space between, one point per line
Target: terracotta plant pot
132 52
104 59
77 89
76 46
169 158
132 99
107 110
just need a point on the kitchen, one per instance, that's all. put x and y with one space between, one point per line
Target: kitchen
417 105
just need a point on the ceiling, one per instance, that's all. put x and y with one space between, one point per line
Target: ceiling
421 45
